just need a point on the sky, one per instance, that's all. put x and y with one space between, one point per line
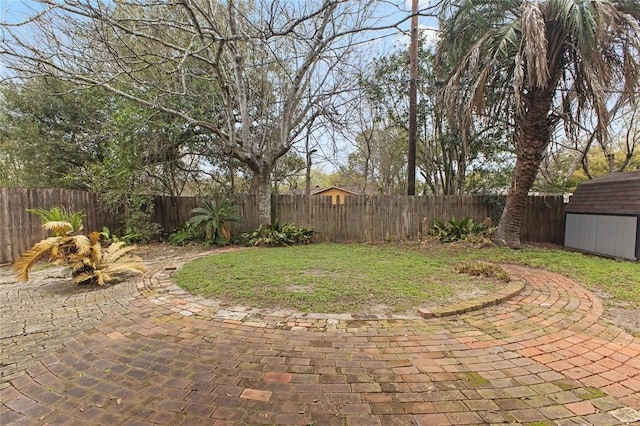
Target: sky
391 11
13 10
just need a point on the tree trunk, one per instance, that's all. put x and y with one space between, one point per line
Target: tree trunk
532 135
261 188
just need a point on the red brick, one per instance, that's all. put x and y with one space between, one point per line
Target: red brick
581 408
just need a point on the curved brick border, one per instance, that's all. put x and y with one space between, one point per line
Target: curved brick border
511 290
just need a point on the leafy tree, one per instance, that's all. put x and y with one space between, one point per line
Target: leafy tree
526 62
443 156
379 161
582 154
51 133
556 174
287 171
268 67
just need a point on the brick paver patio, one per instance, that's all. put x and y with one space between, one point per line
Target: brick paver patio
145 352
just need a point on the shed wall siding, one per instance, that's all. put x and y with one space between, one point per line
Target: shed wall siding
603 234
579 232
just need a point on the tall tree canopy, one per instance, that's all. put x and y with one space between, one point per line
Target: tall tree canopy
51 135
251 74
443 157
530 62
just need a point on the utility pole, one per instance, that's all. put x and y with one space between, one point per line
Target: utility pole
413 100
308 175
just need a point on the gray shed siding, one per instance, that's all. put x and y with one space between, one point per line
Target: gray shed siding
603 216
611 235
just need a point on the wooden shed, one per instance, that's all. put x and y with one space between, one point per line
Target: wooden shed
337 194
603 216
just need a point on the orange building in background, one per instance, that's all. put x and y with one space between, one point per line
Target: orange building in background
337 194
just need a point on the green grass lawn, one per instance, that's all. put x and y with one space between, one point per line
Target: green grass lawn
335 278
342 278
619 278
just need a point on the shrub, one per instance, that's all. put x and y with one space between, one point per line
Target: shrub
211 221
110 237
481 269
182 235
278 235
457 229
87 259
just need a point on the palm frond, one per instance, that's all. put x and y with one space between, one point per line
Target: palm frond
115 251
22 265
77 220
96 252
502 41
82 244
94 237
534 31
126 266
60 214
58 227
78 261
103 277
225 232
83 277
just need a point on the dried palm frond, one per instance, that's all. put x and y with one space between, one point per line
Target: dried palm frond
22 265
86 276
78 262
84 255
94 237
58 227
107 271
117 250
126 266
82 245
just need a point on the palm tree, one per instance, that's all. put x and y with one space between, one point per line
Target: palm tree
535 64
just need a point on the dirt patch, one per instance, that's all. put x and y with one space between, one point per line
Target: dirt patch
625 318
621 314
160 251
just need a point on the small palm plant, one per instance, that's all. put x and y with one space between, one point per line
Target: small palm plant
83 254
60 214
211 221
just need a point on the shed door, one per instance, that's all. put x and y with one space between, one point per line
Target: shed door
608 235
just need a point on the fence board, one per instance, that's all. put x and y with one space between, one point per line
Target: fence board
21 229
360 219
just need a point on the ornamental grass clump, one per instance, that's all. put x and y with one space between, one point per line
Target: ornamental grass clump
482 269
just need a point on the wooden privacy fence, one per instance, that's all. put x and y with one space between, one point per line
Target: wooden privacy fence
393 217
359 219
19 229
376 218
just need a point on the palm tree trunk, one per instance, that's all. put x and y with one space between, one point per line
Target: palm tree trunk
532 134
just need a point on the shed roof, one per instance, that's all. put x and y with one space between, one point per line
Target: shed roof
323 190
615 193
